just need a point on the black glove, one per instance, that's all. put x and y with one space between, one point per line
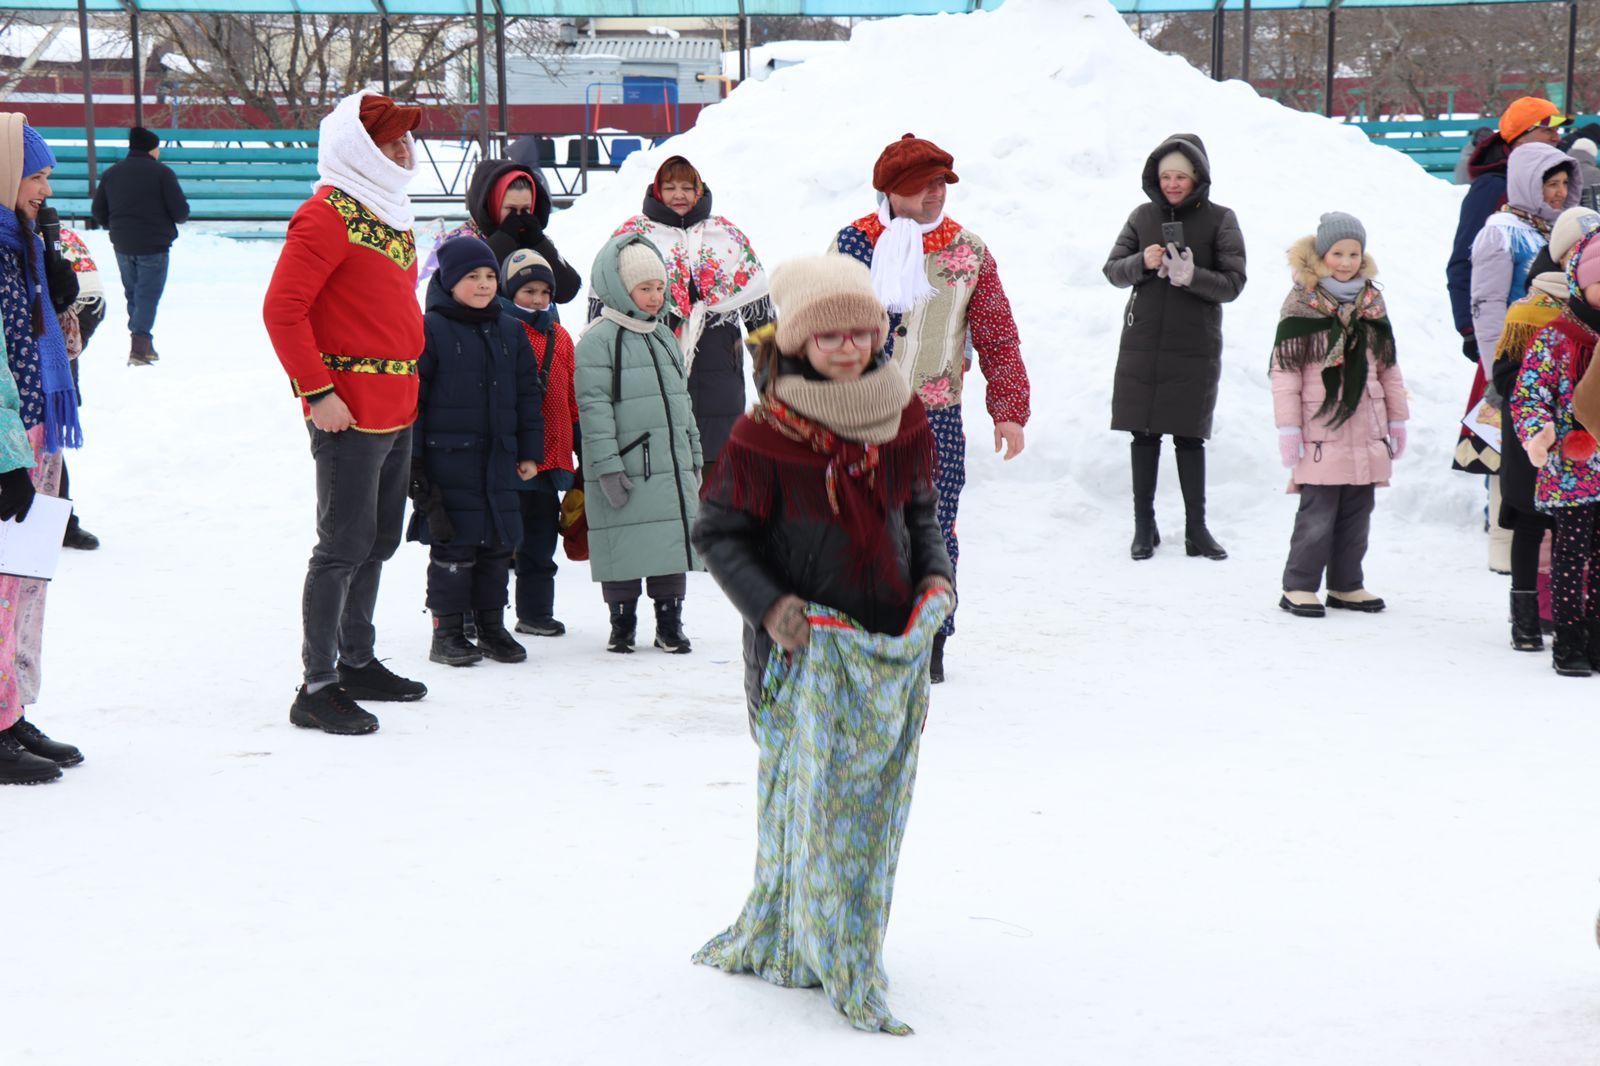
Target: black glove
1469 348
16 495
522 228
428 501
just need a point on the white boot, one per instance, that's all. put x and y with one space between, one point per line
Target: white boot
1355 600
1301 604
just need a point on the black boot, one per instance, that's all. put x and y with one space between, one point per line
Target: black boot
78 538
624 627
493 639
34 742
670 637
331 710
1570 651
19 766
377 682
1525 635
1197 540
936 663
450 644
1146 463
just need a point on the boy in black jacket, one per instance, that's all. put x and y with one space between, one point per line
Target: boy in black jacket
478 441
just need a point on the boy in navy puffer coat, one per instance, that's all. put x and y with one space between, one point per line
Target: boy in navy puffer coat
477 442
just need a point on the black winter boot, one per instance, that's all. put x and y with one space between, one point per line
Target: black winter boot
331 710
19 766
34 742
936 663
450 644
493 639
1146 464
1570 651
624 627
670 637
1525 635
1197 540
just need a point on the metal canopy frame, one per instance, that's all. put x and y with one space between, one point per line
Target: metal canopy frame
504 10
1218 10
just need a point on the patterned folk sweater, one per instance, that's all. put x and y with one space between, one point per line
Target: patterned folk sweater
342 311
930 342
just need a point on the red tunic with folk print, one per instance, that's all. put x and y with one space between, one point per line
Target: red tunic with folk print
342 311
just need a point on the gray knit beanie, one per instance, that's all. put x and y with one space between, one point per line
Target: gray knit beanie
1337 226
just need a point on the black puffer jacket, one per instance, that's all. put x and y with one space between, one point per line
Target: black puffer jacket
520 231
478 415
140 200
758 560
1170 359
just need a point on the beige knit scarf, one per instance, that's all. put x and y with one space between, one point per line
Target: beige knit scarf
866 409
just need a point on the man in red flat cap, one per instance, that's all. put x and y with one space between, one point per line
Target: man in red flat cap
943 292
343 316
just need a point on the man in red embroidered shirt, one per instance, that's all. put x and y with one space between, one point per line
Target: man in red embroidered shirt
939 282
342 314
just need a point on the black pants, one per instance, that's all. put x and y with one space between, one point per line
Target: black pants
1182 444
361 506
536 556
667 587
463 578
1576 548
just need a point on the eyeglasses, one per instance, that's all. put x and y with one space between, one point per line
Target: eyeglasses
864 339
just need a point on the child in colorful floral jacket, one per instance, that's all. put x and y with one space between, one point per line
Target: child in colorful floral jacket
1562 450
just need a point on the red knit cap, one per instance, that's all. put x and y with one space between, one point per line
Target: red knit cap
907 165
387 121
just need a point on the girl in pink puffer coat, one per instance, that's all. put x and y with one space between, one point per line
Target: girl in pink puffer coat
1340 406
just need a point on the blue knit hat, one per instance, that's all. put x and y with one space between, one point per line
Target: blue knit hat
36 155
460 256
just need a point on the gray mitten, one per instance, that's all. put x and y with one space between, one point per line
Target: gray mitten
615 488
1178 265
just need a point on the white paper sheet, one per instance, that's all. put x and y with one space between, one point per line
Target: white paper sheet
1484 422
32 547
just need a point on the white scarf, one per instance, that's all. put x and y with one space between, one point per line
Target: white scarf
899 277
347 159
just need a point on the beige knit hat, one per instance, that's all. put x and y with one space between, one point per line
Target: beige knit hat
822 294
639 263
1568 230
1176 160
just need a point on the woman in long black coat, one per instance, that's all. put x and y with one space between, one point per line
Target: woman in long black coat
1183 256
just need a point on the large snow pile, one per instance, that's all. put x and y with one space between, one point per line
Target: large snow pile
1050 108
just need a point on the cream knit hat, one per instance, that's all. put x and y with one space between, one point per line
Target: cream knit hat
639 263
1176 160
1568 229
823 294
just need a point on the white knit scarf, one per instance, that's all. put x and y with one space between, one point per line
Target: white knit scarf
347 159
899 277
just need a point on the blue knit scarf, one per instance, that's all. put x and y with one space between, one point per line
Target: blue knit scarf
61 429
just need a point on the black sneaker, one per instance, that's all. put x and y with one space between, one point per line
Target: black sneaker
19 766
379 684
331 710
543 627
34 742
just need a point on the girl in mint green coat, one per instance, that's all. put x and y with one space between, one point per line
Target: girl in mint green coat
641 448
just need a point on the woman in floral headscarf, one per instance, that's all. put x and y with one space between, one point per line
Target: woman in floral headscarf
715 285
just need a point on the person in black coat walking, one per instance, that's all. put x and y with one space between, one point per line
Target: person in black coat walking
825 489
477 442
140 201
1183 256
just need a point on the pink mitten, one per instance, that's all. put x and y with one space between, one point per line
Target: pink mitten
1397 434
1291 445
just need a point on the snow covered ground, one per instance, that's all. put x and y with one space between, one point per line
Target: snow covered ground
1158 821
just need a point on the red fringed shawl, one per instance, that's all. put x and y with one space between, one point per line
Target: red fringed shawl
779 466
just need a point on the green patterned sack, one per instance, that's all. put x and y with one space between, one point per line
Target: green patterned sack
838 727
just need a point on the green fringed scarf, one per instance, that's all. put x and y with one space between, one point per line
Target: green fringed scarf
1315 329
